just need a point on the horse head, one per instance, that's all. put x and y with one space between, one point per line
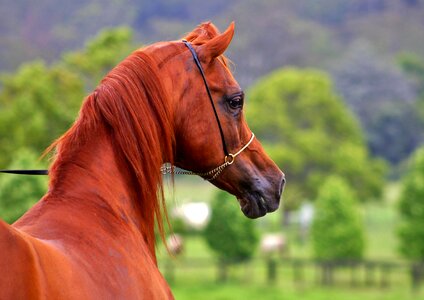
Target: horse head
212 131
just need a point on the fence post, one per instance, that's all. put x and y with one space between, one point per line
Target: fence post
416 275
297 271
327 273
271 270
385 275
331 267
222 271
369 273
353 273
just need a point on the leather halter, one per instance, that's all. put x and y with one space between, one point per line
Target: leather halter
199 66
229 157
167 169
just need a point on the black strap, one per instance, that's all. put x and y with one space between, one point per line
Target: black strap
26 172
199 66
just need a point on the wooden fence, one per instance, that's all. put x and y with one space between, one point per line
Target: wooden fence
376 274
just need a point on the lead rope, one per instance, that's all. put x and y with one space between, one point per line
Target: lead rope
26 172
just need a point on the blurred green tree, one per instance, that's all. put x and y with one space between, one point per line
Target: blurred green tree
413 66
38 102
310 134
382 98
230 235
337 231
179 226
411 209
100 55
18 193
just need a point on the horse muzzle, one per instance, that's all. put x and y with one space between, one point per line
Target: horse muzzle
262 198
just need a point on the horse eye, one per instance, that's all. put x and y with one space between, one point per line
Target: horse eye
235 102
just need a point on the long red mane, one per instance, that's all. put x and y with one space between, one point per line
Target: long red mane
131 105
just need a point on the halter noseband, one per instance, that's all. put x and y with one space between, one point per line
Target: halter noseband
229 157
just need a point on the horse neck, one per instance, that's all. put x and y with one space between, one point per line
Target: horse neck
94 182
95 176
111 157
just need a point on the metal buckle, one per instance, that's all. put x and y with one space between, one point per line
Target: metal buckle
229 159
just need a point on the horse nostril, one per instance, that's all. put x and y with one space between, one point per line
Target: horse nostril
282 183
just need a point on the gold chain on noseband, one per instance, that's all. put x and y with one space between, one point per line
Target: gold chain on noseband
212 174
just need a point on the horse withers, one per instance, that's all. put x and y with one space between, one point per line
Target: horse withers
92 235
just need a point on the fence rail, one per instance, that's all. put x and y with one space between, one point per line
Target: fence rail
366 273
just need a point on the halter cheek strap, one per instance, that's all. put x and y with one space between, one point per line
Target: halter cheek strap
229 157
208 91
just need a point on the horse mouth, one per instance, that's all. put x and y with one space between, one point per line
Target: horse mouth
255 206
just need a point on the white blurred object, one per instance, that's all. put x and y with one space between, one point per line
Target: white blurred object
306 214
273 243
175 244
194 214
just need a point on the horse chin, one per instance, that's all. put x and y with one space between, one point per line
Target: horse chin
255 206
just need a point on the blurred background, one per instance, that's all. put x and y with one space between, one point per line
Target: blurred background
335 92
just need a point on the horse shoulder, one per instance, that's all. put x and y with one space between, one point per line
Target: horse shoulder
20 278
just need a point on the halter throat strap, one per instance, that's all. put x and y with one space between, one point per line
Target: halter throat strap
208 91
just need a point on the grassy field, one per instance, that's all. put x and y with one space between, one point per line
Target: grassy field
234 291
194 275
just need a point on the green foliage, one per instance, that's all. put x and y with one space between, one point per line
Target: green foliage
310 134
18 193
37 104
179 226
413 65
337 229
411 209
229 233
100 55
383 99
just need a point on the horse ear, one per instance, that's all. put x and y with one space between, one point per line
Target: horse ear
216 46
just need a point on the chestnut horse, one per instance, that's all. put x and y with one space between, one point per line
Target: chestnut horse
92 235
